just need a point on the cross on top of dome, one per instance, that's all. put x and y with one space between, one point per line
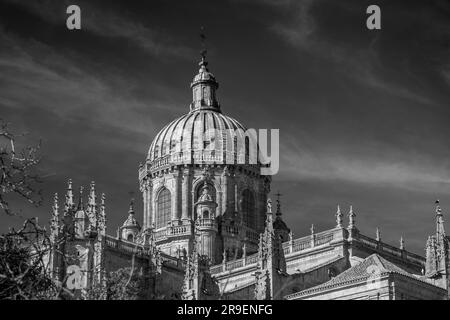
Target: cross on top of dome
204 85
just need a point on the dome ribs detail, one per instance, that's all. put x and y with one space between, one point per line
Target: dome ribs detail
186 136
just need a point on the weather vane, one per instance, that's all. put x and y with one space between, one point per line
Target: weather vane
203 39
131 193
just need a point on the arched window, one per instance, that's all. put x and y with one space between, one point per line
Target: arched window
248 208
163 208
130 238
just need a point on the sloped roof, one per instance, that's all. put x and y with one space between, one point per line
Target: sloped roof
372 264
279 224
131 221
323 264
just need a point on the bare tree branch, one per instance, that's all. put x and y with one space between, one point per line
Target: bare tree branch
18 170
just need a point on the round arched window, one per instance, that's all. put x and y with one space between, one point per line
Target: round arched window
163 208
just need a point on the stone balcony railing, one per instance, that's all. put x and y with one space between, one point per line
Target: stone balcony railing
230 230
289 247
123 245
240 231
142 251
194 157
391 250
234 264
172 231
180 230
206 223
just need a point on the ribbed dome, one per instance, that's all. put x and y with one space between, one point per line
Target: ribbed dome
185 133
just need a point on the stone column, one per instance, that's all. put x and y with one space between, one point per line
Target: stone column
185 195
175 203
153 206
149 192
144 191
225 178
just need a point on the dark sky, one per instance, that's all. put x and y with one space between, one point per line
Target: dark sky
363 115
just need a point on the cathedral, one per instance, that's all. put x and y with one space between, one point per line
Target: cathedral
209 230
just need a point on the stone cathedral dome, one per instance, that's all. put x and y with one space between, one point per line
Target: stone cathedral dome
201 184
186 134
186 129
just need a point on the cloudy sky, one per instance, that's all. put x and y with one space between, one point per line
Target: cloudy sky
364 116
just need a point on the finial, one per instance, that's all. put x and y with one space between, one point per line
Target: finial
312 229
278 203
378 235
102 215
338 217
69 198
55 204
438 208
80 199
402 243
269 206
351 216
92 196
131 210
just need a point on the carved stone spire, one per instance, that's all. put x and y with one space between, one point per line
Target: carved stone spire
437 252
55 206
92 195
80 206
55 221
440 232
312 229
69 204
402 243
92 207
378 235
271 261
339 217
102 216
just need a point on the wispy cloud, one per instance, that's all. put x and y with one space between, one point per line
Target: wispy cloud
102 21
398 168
353 58
34 74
